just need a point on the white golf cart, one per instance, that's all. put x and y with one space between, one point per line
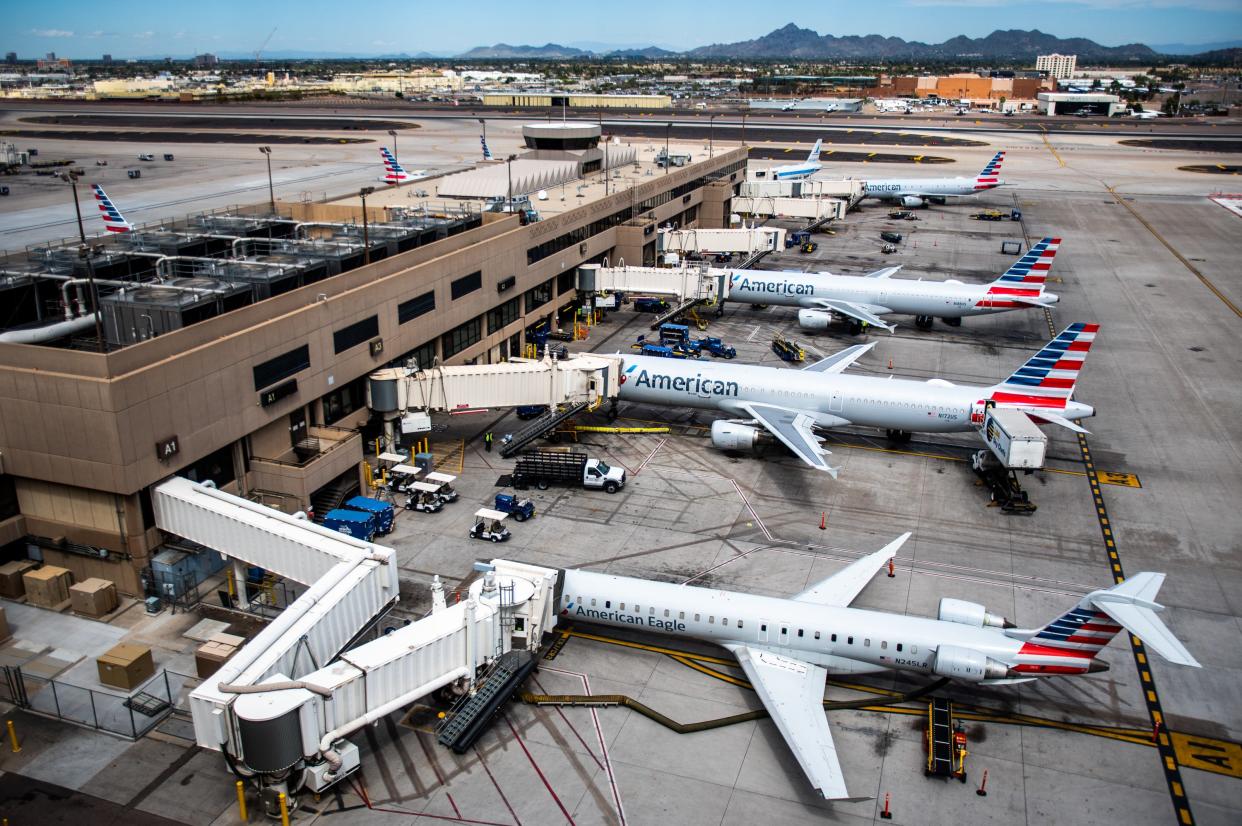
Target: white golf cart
489 524
445 481
423 496
400 477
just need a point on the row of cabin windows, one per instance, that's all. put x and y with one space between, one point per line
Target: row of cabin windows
763 628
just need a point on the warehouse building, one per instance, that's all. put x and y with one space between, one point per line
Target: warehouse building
246 363
1071 103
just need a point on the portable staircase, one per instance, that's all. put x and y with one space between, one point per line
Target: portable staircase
469 719
538 427
755 258
688 304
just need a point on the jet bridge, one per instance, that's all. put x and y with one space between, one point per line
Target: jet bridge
700 283
748 240
281 708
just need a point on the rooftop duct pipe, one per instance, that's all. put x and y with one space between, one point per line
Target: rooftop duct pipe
50 332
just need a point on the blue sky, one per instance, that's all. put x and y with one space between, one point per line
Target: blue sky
82 29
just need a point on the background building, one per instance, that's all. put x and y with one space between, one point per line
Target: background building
1059 66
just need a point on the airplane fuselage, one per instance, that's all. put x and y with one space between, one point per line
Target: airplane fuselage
842 640
895 188
944 299
933 406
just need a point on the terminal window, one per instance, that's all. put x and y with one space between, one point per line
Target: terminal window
355 334
461 337
412 309
467 284
282 367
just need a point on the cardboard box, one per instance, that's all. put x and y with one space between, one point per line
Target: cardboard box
126 666
11 584
93 597
211 655
48 586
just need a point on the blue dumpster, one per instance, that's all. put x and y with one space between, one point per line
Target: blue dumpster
357 524
382 511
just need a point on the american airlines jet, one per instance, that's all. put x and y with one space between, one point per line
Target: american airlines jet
864 298
487 153
788 647
113 220
394 173
914 192
806 169
792 404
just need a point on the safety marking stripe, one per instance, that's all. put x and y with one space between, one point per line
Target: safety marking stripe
1164 743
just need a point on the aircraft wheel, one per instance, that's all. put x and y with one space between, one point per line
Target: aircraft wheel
855 328
923 322
952 322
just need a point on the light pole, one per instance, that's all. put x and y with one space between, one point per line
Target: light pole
366 238
393 133
271 192
509 168
711 121
72 179
86 253
668 161
743 129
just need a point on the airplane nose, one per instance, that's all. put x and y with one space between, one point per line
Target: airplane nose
1050 298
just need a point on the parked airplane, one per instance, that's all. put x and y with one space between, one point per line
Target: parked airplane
914 192
795 171
487 153
792 404
787 647
394 173
864 298
113 220
1146 114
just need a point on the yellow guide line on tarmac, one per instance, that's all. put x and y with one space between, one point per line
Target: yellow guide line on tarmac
1047 143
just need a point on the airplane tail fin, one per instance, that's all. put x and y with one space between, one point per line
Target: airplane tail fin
990 176
1047 378
487 153
1070 643
1031 269
814 156
113 220
393 172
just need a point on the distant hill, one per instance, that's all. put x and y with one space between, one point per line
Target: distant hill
504 50
792 41
1195 48
1229 56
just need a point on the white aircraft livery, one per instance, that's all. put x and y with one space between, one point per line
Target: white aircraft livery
791 404
806 169
864 298
914 192
787 647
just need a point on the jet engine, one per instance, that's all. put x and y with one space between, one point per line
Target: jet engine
735 436
969 613
911 201
814 320
967 664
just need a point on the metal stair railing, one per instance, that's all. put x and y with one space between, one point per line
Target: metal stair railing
540 426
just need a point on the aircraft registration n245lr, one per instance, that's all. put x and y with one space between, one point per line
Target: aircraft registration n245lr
792 404
914 192
787 647
863 299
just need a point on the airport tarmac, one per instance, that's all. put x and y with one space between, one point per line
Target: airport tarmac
1151 260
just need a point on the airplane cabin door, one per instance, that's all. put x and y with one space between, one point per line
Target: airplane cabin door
835 401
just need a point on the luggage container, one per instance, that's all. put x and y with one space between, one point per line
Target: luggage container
351 523
383 512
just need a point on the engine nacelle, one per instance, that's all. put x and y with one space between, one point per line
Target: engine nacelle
734 436
967 664
911 201
969 613
814 320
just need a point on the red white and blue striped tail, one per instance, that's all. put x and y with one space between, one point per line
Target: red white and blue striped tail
393 172
1048 377
487 153
1068 644
1032 268
990 176
113 220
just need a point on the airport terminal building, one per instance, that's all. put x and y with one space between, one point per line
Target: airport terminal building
251 371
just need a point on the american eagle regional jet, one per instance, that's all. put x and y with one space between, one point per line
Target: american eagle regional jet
915 192
788 647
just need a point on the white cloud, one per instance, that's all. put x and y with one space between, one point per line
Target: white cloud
51 33
143 35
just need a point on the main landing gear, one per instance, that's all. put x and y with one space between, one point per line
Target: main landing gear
898 436
923 322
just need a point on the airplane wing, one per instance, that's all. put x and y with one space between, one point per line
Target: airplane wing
853 310
793 693
793 427
840 589
837 362
887 272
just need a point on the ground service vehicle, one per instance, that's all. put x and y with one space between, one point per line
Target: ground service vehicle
519 509
716 347
891 237
674 334
786 349
351 523
546 467
797 239
646 304
444 485
424 496
1014 438
401 476
145 157
383 512
489 524
531 411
